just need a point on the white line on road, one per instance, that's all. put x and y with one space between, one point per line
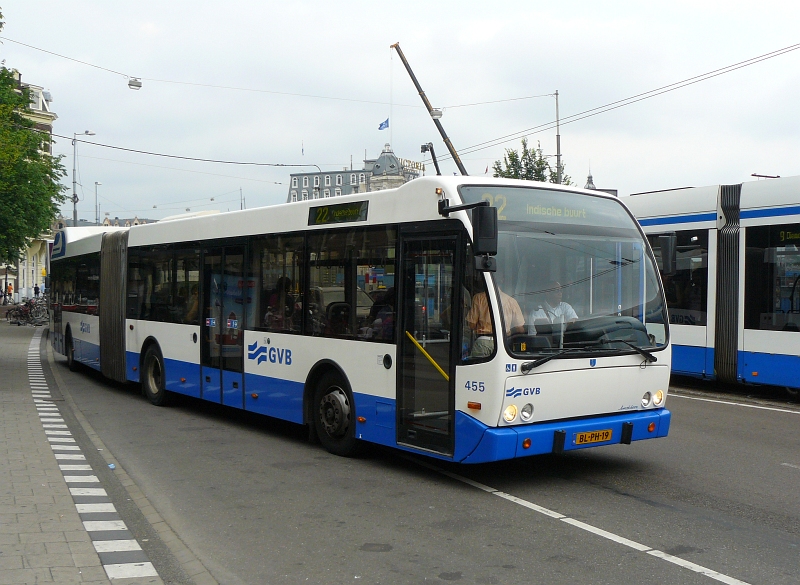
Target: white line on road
736 404
129 570
790 465
593 529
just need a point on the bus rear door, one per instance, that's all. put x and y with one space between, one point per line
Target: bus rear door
222 327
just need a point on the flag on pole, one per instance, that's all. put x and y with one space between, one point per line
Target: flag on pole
384 125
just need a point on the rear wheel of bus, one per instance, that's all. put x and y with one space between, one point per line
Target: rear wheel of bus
334 415
153 378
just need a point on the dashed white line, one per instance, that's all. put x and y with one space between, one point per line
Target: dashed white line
81 479
100 525
87 492
115 545
593 529
790 465
94 508
130 570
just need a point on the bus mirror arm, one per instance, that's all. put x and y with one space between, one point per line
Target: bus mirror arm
485 263
445 210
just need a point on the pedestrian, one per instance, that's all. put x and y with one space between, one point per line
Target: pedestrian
36 290
10 293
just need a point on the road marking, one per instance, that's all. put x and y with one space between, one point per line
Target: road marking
115 545
592 529
87 492
790 465
75 467
81 479
736 404
128 570
101 525
95 508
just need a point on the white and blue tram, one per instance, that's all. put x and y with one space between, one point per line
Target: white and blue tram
729 258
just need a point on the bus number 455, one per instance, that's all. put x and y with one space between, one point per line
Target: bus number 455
475 386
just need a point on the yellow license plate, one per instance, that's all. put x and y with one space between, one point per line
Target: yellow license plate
592 437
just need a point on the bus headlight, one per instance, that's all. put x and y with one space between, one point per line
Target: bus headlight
526 413
646 400
658 398
510 413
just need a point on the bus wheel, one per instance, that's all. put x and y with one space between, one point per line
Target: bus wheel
70 351
334 415
153 379
792 392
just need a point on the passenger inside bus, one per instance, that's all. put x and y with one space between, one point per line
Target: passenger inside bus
280 307
479 320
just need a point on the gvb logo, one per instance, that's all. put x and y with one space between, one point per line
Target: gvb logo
275 355
517 392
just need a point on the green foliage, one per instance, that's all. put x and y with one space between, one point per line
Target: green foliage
30 192
530 165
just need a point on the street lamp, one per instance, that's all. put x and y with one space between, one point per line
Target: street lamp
74 177
96 208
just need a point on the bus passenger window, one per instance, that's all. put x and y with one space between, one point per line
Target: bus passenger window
275 300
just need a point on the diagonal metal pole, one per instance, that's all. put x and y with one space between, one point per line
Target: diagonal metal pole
425 101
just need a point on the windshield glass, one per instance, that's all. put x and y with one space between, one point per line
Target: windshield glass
577 269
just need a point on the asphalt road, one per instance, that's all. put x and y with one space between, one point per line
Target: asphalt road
716 501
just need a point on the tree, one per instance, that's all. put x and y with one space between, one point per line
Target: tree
531 165
30 191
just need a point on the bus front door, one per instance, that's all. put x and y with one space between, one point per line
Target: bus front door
425 400
222 356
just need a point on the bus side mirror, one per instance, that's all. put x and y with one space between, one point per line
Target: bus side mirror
484 238
484 230
669 251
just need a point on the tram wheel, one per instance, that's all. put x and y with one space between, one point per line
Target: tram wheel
153 377
334 415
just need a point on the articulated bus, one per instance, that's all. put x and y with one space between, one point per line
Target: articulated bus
730 264
467 319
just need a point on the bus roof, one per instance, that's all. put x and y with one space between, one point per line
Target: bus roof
413 201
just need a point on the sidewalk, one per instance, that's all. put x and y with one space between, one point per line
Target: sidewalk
43 533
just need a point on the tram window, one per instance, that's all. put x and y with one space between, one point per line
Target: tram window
276 273
772 278
687 289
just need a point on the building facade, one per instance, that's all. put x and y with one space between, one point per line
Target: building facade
31 268
385 172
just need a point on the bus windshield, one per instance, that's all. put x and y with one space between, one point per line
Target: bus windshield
573 273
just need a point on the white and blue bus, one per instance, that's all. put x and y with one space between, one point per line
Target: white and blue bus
730 263
468 319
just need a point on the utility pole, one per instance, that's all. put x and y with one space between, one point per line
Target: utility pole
558 145
435 116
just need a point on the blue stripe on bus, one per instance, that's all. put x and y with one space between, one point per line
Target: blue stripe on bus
698 217
767 368
274 397
770 212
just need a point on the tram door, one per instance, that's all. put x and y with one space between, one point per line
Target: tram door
426 399
222 358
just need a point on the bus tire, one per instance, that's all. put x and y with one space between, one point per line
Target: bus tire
153 377
69 349
335 415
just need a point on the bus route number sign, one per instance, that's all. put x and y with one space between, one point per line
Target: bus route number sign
339 213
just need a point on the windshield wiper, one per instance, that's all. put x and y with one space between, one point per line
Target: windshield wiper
528 366
646 354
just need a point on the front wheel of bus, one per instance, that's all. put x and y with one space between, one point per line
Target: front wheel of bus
334 415
153 380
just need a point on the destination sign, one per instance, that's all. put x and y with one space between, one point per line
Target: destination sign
548 206
338 213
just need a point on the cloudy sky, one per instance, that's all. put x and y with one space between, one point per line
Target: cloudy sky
316 78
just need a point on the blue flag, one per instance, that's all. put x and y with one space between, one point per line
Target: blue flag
384 125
